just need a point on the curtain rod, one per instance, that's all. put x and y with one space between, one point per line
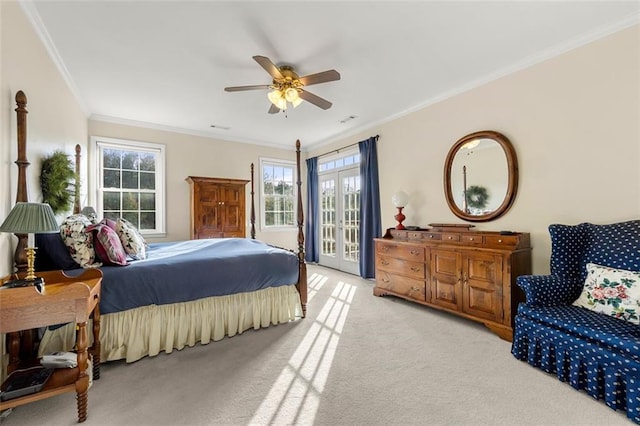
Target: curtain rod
344 147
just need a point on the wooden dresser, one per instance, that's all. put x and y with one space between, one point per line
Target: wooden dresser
466 272
217 207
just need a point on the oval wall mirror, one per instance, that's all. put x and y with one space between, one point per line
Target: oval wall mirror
481 176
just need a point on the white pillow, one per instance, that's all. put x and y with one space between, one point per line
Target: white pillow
78 241
613 292
132 241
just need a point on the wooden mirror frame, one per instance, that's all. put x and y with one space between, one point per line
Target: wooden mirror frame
512 168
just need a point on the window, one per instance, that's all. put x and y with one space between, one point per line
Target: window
130 182
340 161
278 193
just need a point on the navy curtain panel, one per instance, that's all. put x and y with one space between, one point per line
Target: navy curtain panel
370 223
312 231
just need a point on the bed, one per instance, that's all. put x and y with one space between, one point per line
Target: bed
184 292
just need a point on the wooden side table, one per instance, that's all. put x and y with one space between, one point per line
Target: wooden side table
64 299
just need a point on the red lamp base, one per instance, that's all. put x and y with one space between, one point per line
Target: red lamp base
400 218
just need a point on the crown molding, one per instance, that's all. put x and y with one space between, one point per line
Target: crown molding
183 131
530 61
34 18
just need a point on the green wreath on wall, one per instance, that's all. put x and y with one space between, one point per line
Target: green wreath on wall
57 180
476 196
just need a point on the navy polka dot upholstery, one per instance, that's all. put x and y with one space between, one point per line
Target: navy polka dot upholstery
593 352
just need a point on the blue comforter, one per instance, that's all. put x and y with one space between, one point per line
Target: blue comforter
189 270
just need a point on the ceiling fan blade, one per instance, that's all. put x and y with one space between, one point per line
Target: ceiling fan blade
273 109
269 66
314 99
241 88
321 77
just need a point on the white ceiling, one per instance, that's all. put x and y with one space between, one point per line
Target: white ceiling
164 64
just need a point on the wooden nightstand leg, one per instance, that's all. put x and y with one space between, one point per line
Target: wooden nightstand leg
96 343
13 343
82 384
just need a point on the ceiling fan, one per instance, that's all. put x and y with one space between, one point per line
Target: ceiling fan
287 86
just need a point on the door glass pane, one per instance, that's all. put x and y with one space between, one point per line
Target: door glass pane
328 209
351 218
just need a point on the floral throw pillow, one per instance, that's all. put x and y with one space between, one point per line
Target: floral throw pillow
78 241
108 245
132 241
613 292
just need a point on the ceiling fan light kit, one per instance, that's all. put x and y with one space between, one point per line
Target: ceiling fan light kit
287 87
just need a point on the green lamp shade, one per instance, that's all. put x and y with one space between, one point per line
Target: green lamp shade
30 218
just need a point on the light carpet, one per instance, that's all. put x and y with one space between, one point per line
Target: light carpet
357 359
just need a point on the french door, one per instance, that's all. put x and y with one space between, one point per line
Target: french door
339 203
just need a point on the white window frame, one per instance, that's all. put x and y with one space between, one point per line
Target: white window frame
98 143
353 154
280 163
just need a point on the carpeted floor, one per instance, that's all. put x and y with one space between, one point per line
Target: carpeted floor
356 359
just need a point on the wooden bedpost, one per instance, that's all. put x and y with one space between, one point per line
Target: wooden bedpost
76 195
253 209
20 256
302 278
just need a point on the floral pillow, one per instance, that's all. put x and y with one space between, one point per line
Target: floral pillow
78 241
108 245
132 241
613 292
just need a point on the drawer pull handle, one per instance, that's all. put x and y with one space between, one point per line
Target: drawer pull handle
385 280
500 240
450 237
95 296
384 248
384 262
415 289
430 236
416 269
471 239
414 252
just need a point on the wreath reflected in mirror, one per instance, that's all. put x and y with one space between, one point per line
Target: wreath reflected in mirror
476 196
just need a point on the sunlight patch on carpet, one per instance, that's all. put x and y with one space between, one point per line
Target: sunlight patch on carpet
295 396
314 284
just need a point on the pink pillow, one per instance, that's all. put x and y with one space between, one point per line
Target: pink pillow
107 245
109 222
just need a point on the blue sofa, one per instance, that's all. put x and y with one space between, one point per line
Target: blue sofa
597 353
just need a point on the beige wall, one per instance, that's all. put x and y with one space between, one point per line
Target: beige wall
574 121
55 119
188 155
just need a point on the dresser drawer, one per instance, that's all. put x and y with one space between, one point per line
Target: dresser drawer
401 266
454 238
473 239
432 236
401 251
415 289
501 240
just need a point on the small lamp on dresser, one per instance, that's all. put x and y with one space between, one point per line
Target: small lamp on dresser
400 199
30 218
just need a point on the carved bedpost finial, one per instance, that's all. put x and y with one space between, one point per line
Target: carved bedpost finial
21 100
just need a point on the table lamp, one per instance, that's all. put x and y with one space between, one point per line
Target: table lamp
400 199
89 212
30 218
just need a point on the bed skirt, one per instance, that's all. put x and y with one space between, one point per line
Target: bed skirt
148 330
